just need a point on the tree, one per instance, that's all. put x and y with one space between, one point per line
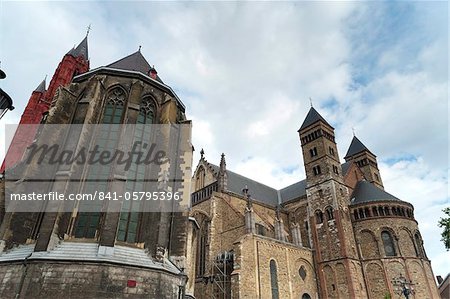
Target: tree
445 223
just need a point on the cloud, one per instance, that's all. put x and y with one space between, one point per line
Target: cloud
246 71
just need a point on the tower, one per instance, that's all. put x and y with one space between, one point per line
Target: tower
366 161
118 109
338 267
75 62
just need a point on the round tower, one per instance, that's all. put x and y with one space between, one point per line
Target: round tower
389 243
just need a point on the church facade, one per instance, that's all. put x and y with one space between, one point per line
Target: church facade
335 234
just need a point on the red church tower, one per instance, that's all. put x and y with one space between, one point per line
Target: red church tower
75 62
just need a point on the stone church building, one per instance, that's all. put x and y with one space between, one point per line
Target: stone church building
335 234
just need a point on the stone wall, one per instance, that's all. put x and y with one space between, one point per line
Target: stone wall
252 277
409 260
85 280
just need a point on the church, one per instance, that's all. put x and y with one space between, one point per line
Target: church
335 234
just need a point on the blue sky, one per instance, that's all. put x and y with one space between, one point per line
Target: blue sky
246 72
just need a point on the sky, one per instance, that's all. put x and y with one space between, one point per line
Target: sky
246 73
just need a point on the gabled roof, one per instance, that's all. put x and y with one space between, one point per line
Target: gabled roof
80 50
356 146
134 62
366 192
258 191
293 191
41 87
312 117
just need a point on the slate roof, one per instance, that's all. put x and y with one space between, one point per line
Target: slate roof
312 117
356 146
80 50
258 191
134 62
265 194
293 191
89 252
366 192
41 87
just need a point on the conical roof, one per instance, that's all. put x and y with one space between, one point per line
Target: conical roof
356 146
366 192
312 117
134 62
80 50
41 87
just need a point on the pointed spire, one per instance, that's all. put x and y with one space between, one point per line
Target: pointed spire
41 86
223 164
223 177
81 49
356 146
312 117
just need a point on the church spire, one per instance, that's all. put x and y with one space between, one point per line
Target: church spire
223 178
81 49
311 118
356 147
41 86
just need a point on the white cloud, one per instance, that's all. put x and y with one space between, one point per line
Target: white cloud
246 71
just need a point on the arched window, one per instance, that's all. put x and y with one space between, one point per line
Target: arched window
274 279
319 217
129 215
107 137
306 296
329 211
420 251
200 262
388 243
200 178
374 211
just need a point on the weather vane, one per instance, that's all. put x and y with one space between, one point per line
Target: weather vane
310 101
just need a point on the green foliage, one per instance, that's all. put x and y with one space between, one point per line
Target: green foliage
387 296
445 223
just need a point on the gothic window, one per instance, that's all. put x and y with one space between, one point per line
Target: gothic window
329 211
313 152
87 223
388 243
200 178
200 263
274 279
381 211
129 215
419 246
355 214
319 217
317 170
386 211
